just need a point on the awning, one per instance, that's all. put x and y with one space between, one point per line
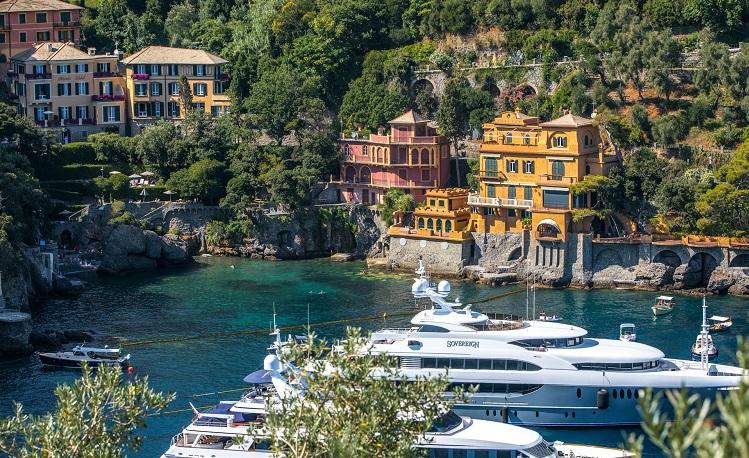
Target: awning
259 377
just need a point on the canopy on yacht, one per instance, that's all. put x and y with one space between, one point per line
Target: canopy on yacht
259 377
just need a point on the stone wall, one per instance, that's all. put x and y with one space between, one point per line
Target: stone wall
440 257
494 252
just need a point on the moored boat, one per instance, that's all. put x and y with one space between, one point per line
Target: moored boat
93 356
720 323
663 305
627 332
550 318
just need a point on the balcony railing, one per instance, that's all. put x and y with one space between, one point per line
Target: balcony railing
38 76
4 27
67 24
107 98
399 182
558 179
351 158
106 74
141 76
480 201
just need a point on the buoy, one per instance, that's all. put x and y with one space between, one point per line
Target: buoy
130 370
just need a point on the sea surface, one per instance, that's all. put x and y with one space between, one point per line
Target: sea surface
202 329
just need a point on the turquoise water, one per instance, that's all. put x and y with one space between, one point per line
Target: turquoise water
214 298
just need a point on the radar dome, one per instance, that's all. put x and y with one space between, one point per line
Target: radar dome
272 363
443 286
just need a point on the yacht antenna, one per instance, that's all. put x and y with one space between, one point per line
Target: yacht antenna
527 297
704 335
534 295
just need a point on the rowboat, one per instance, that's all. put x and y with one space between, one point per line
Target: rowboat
663 305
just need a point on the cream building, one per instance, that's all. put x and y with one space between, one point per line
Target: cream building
76 93
153 83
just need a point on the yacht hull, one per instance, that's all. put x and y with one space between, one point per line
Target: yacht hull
553 406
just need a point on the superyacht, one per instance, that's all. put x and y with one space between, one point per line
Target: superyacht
538 373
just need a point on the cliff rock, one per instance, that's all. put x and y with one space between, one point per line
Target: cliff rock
130 249
653 275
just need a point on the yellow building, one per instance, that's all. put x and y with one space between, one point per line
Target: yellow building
72 92
444 215
526 169
153 82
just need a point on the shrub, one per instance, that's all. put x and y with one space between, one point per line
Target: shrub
669 129
75 153
729 136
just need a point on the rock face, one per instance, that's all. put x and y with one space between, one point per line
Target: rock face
15 329
309 233
130 249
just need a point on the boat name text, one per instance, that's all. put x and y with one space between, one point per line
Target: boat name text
463 343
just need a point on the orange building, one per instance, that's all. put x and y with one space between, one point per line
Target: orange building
444 215
527 168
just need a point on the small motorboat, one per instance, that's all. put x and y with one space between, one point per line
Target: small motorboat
551 318
627 332
663 305
720 323
93 356
699 345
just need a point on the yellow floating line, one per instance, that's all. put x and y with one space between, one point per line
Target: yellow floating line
138 343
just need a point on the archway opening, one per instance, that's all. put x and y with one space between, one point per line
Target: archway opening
668 257
66 239
365 175
350 174
741 260
699 269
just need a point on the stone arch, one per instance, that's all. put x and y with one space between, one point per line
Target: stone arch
528 90
492 89
699 268
422 84
607 258
414 156
349 174
515 254
741 260
365 175
668 257
284 239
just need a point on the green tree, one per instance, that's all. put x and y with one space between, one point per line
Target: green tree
161 145
669 129
96 417
369 104
179 24
452 116
204 180
349 413
717 15
395 200
686 426
114 149
185 94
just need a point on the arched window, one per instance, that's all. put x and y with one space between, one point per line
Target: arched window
586 140
587 170
365 175
430 224
424 157
414 156
557 170
560 141
438 226
350 174
508 138
448 225
421 223
526 139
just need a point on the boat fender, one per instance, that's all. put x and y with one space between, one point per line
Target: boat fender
130 370
505 412
602 399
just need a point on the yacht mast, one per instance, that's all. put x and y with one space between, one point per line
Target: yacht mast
704 336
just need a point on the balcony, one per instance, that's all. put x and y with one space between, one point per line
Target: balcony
107 74
480 201
397 182
491 175
47 123
64 24
4 27
108 98
558 179
38 76
141 76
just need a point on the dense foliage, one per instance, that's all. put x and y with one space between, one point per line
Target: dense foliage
95 417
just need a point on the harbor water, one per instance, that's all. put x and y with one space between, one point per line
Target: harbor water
201 330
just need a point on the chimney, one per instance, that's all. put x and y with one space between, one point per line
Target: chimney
50 48
91 51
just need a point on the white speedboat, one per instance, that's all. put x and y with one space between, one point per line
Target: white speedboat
627 332
720 323
551 318
663 305
539 373
93 356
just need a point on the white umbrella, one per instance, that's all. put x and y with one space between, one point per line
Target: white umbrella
115 172
65 213
147 174
135 176
170 193
143 193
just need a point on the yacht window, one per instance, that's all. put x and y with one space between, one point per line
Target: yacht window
579 393
629 393
432 328
456 363
443 363
428 363
471 364
485 364
446 422
500 364
570 342
637 366
621 394
512 365
614 394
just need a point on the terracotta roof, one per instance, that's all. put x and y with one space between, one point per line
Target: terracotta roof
167 55
52 51
409 117
568 120
36 5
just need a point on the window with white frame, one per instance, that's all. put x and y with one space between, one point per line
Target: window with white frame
111 113
81 88
81 68
560 141
64 112
200 89
174 88
64 89
141 89
81 112
511 165
63 69
155 88
529 167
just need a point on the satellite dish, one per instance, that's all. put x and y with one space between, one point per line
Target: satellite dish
443 287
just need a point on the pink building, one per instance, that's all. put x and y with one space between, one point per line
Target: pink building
411 157
25 22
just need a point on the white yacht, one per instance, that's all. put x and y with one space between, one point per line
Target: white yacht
538 373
